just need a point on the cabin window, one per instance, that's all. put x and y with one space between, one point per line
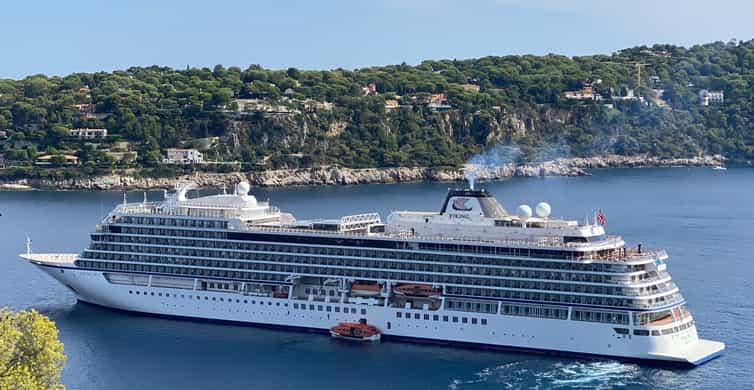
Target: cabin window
337 310
398 314
426 316
416 316
455 319
445 318
435 317
465 320
353 310
363 311
473 321
484 321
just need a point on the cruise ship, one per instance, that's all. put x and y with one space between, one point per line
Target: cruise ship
471 274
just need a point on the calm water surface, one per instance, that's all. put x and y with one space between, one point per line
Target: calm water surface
704 218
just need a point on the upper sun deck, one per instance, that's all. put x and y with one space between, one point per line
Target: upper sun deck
197 209
239 205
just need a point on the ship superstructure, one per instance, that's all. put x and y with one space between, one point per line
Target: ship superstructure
471 274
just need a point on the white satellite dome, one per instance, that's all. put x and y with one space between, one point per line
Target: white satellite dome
523 212
543 209
243 188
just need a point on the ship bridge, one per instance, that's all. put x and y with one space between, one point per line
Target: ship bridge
238 205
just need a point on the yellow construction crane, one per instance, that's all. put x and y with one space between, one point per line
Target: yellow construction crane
638 66
638 77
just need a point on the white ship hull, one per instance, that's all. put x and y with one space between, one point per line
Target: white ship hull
500 331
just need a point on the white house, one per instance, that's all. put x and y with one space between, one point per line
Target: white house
183 156
711 97
88 133
586 93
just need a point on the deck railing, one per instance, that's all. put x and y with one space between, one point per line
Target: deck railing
554 242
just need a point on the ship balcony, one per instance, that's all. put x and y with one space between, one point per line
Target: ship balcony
663 288
627 255
670 300
633 280
675 315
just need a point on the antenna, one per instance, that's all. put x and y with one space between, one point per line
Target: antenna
125 200
145 197
28 245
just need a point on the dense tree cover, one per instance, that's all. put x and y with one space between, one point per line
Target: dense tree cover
520 100
31 356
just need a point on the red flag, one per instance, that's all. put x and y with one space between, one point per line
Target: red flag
601 218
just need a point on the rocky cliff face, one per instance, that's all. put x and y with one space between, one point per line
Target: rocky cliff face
348 176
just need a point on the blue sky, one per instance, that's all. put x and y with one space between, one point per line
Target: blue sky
60 37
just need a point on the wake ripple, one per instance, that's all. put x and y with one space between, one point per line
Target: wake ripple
533 375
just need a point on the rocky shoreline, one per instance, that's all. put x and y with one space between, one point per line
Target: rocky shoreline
347 176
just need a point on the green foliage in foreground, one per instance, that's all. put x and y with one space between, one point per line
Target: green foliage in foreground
520 100
31 356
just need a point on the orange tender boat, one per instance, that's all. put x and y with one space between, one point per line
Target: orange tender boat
365 289
417 290
358 331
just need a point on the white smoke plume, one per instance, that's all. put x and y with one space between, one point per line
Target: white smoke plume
493 158
500 156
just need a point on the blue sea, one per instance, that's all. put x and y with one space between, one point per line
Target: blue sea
704 218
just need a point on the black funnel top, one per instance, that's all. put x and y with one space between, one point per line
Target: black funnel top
490 207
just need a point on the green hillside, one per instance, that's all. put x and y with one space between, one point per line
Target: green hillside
438 113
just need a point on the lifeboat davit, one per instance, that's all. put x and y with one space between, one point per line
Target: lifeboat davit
417 290
358 331
365 289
